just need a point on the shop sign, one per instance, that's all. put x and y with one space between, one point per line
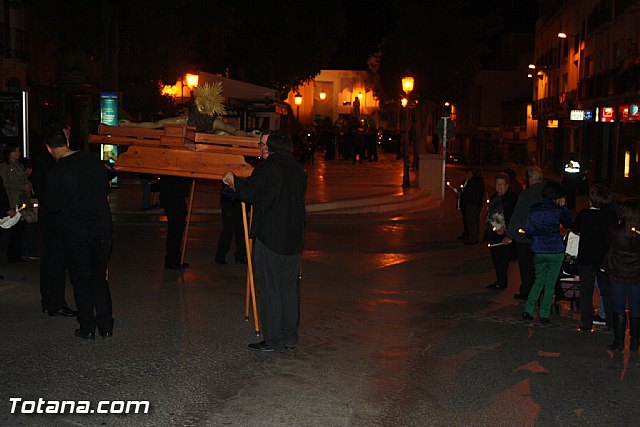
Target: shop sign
629 113
581 115
606 114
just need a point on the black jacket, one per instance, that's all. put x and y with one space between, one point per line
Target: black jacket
276 190
473 193
502 206
623 257
592 226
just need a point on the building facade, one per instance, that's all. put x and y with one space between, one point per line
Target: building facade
334 94
586 87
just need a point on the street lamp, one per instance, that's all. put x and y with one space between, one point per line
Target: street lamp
407 87
322 95
298 101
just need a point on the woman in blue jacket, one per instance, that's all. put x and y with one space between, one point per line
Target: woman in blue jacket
547 245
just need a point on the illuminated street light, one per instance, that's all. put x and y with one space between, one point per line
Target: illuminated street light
298 101
192 80
562 35
322 95
407 84
407 87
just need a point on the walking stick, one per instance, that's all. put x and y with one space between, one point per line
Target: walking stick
250 284
248 249
186 229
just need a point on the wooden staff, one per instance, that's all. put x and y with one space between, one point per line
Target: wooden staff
248 249
186 229
251 290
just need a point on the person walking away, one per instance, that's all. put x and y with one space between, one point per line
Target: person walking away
499 212
592 225
528 197
276 190
622 263
77 191
472 200
547 245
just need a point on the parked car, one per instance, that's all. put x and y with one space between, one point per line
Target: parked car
389 141
456 159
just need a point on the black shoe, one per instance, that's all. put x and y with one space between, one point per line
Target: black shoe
496 287
64 312
107 334
85 335
221 261
172 266
597 320
241 261
17 260
585 329
527 317
290 347
261 346
520 297
544 321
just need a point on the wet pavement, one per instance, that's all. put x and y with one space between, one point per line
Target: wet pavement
397 328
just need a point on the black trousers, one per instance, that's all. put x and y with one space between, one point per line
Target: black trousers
231 225
500 255
53 271
175 209
472 219
588 274
14 248
527 269
277 285
87 253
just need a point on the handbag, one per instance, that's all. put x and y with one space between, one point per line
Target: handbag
570 263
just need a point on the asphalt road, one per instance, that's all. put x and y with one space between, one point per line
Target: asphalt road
397 328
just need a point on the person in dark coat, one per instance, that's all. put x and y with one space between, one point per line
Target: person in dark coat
526 199
547 245
173 198
471 201
592 225
276 190
499 211
77 191
53 270
622 262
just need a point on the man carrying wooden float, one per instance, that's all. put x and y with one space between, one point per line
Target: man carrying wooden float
276 190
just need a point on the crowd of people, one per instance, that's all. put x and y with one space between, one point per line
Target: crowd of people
530 223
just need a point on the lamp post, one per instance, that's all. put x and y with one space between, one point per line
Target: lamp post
192 82
298 101
407 87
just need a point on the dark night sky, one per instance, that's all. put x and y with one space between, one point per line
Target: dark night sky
367 22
